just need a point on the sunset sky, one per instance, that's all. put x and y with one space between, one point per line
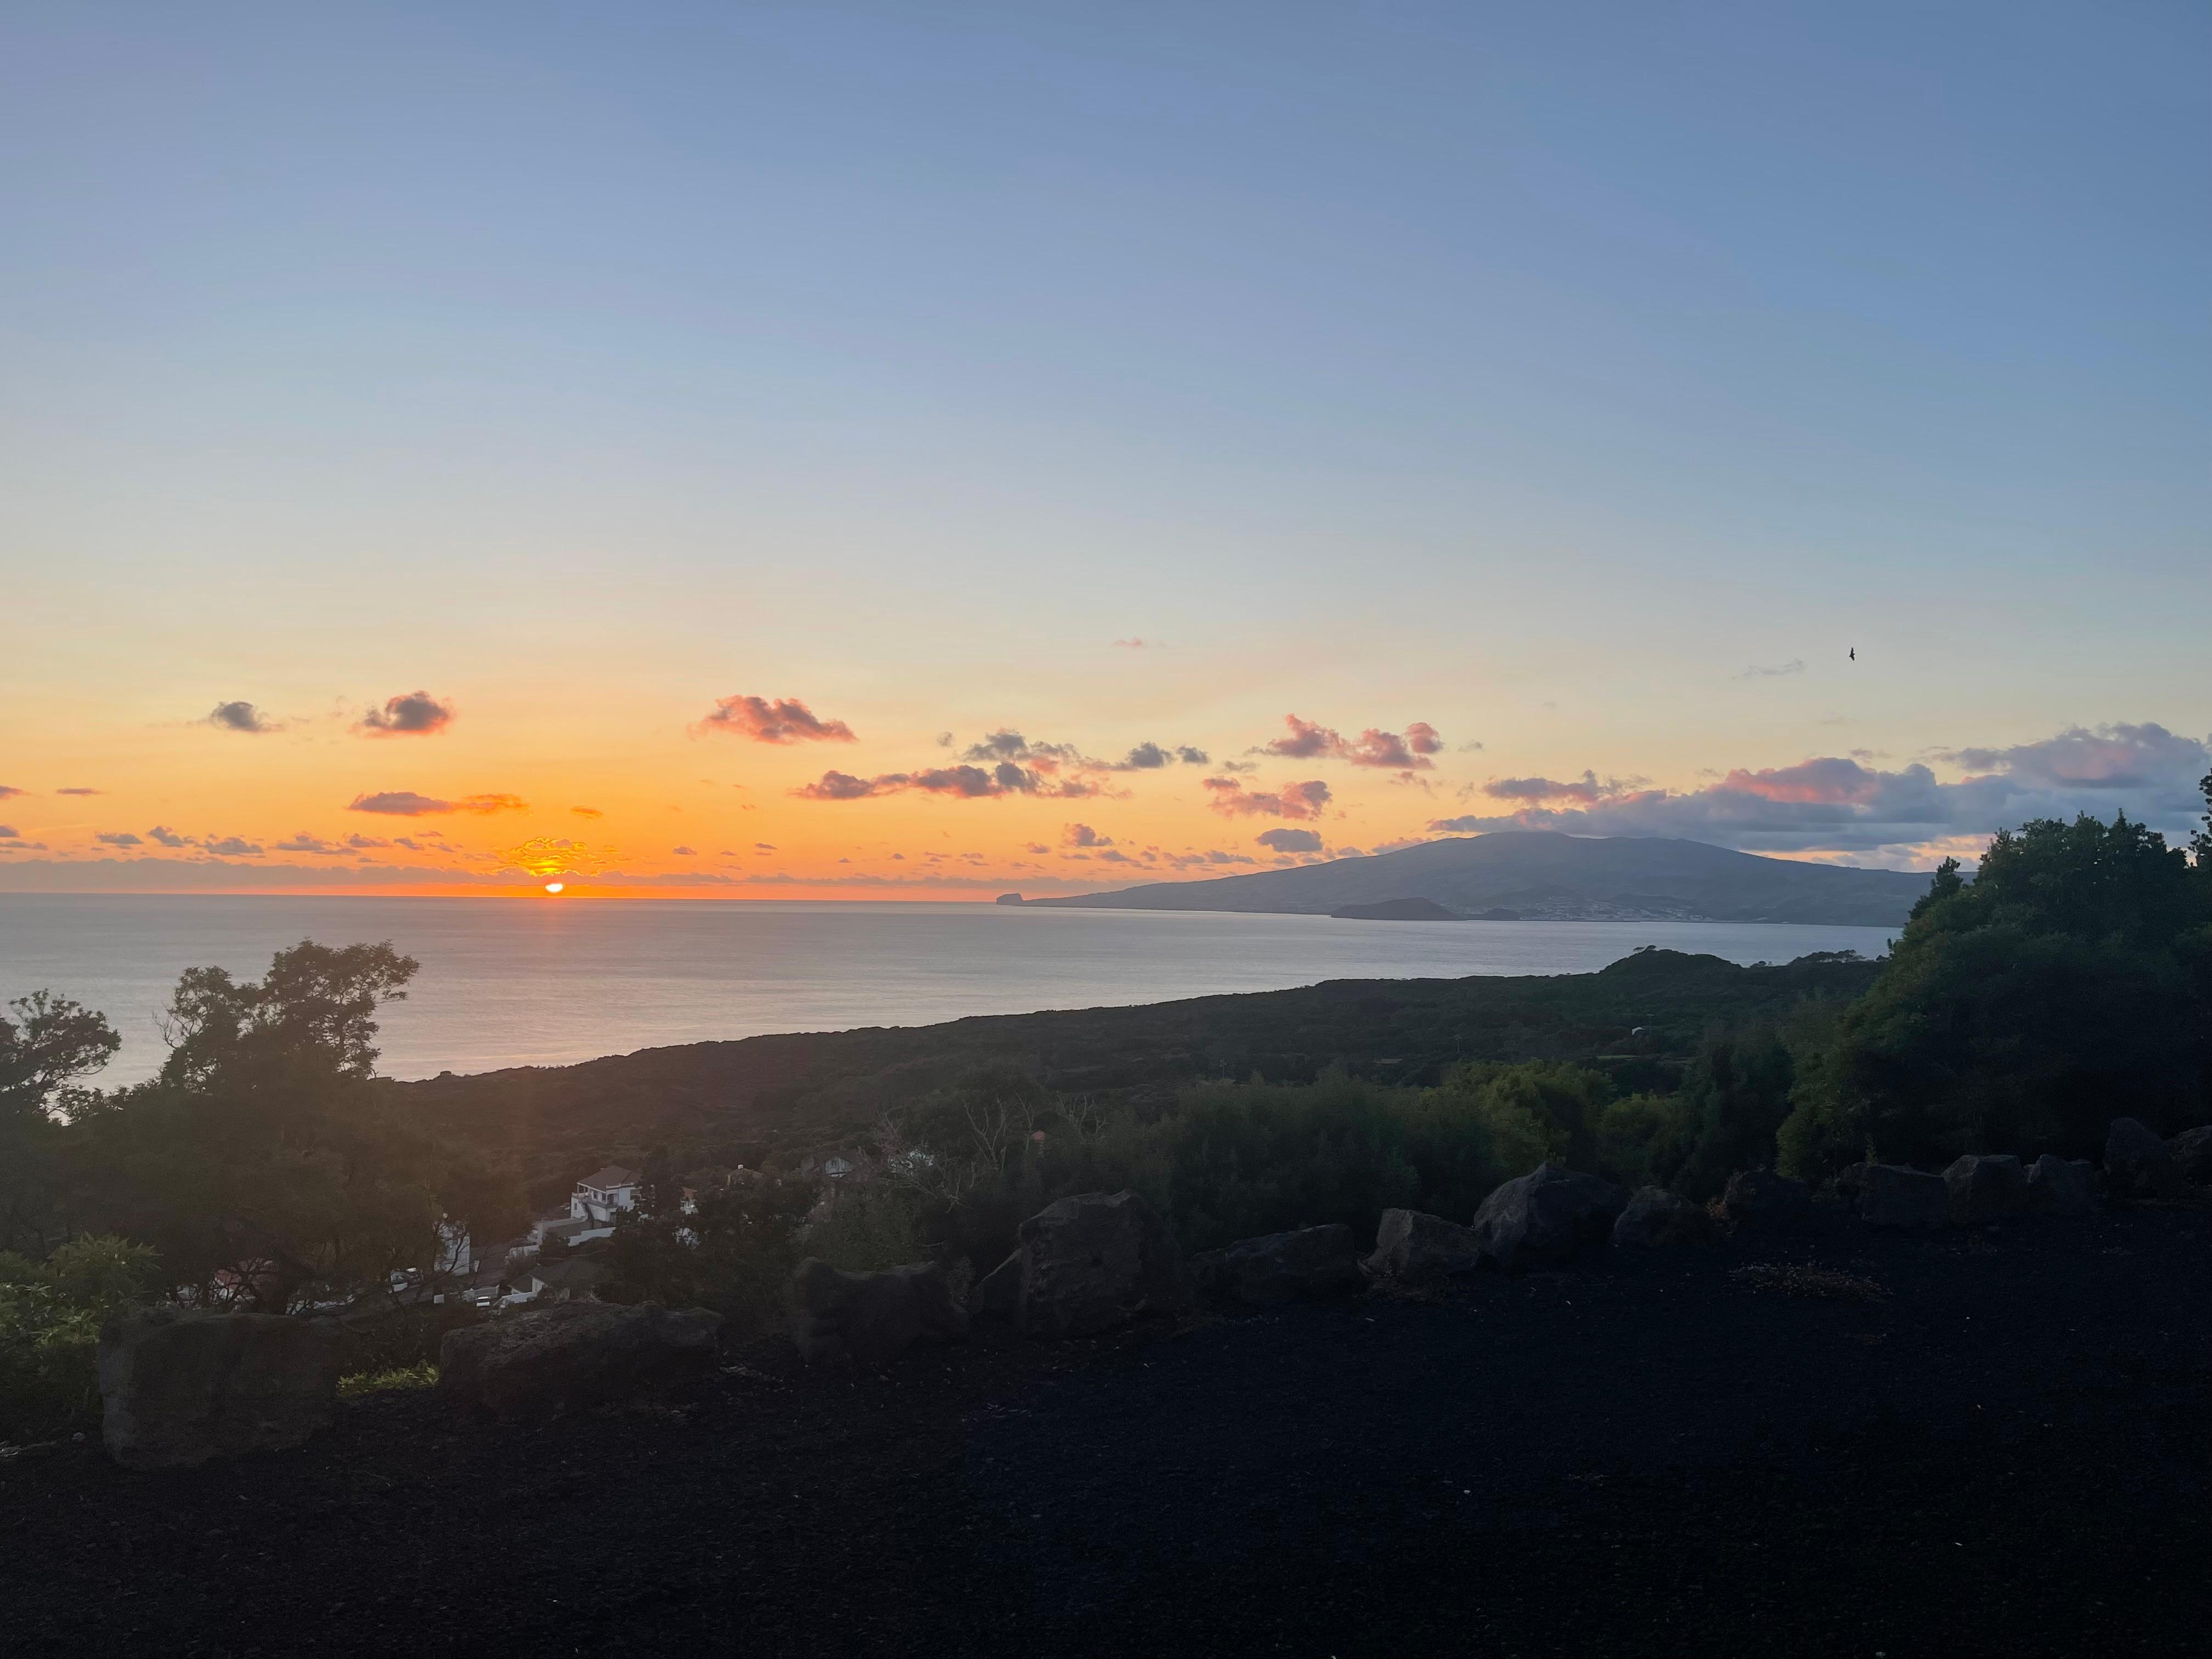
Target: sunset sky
882 451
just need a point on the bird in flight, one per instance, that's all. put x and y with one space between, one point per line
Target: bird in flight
1855 653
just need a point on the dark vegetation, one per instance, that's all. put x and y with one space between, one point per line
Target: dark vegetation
265 1165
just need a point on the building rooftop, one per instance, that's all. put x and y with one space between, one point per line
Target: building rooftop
613 1176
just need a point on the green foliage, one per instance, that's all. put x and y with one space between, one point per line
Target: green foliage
50 1313
733 1253
422 1375
2069 984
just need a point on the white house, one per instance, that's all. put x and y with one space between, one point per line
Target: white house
603 1194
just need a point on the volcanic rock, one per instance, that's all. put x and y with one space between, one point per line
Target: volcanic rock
534 1366
1985 1190
1414 1245
1311 1262
1891 1195
1657 1216
179 1387
1546 1216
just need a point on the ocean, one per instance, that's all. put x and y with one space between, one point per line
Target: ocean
547 983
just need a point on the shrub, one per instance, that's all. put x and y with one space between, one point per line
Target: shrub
51 1313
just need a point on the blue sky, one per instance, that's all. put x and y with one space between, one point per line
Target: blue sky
1533 373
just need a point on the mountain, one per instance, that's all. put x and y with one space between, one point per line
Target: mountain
1543 875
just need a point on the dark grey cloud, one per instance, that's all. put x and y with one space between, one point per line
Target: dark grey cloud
304 842
1082 835
412 713
1290 841
80 792
1834 803
241 717
9 791
166 837
120 838
230 846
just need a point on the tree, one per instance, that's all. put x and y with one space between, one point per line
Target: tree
263 1162
2069 983
49 1044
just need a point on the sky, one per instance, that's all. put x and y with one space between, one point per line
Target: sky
895 452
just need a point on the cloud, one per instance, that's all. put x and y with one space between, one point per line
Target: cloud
1132 643
363 843
683 852
1392 751
241 717
1290 841
406 803
168 837
1051 758
588 812
1836 804
764 846
120 838
230 847
9 791
1293 800
1795 665
1585 790
304 842
12 843
785 719
80 792
961 782
1082 835
414 713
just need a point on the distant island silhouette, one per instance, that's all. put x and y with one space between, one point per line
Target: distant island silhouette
1543 876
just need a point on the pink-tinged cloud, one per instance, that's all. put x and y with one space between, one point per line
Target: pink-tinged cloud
588 812
9 791
785 719
80 792
1082 835
1837 804
1408 752
168 837
960 782
412 715
1230 798
1290 841
406 803
1585 789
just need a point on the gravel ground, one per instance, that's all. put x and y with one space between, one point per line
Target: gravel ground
2008 1453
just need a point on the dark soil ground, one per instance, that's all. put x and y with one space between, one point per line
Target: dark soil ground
2007 1454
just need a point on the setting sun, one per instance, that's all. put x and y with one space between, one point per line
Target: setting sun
553 886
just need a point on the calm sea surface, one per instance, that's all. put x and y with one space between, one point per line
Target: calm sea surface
529 983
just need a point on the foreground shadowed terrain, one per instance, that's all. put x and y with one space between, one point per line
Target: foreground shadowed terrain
2007 1454
741 1100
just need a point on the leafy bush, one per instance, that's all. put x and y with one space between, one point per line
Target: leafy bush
51 1313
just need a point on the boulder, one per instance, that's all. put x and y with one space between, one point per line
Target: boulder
998 1293
1891 1195
1985 1190
1412 1245
2057 1186
2192 1155
179 1387
1763 1197
1311 1262
870 1318
1096 1260
1657 1216
1849 1179
1546 1216
532 1367
2137 1163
